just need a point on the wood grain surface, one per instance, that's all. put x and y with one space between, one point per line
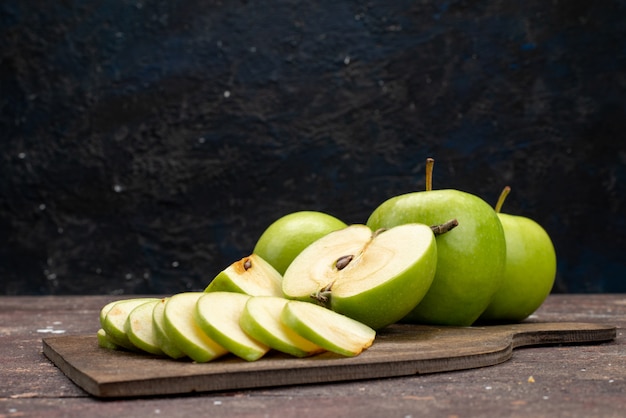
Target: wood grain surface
399 350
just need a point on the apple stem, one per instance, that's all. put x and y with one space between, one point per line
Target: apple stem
322 296
429 173
502 198
445 227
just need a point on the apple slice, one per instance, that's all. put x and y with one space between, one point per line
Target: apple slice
261 320
180 325
164 342
373 277
218 314
105 342
140 330
251 275
115 321
328 329
105 310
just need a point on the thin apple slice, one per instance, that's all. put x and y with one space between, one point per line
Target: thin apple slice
328 329
105 342
218 314
115 321
164 342
105 310
251 275
140 330
180 325
261 320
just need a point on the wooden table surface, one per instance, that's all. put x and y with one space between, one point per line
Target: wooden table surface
552 381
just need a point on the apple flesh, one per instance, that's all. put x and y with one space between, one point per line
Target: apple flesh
114 323
181 327
328 329
251 275
140 329
470 258
261 319
286 237
163 340
218 315
529 272
373 277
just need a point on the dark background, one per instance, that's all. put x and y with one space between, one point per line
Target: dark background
147 144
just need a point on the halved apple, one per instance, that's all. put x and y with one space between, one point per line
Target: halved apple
140 330
115 320
163 340
218 314
251 275
373 277
181 327
261 319
328 329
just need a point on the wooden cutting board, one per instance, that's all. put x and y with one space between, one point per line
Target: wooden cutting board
399 350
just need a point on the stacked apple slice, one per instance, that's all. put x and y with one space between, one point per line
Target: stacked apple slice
248 321
206 326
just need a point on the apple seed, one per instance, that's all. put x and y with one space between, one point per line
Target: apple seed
342 262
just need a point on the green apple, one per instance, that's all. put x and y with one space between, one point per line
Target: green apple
181 327
114 323
104 341
529 272
373 277
251 275
163 340
328 329
286 237
261 319
218 315
470 258
140 330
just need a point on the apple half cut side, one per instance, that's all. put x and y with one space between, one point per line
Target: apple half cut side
115 321
261 319
163 340
181 327
251 275
373 277
140 329
328 329
218 314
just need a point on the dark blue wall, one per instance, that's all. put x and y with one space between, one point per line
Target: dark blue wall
147 144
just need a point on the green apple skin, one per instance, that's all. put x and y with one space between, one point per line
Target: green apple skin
470 257
529 272
140 329
218 315
163 340
328 329
261 319
181 327
114 323
286 237
410 248
251 275
105 342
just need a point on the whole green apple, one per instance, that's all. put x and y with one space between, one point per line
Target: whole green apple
470 258
286 237
529 272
